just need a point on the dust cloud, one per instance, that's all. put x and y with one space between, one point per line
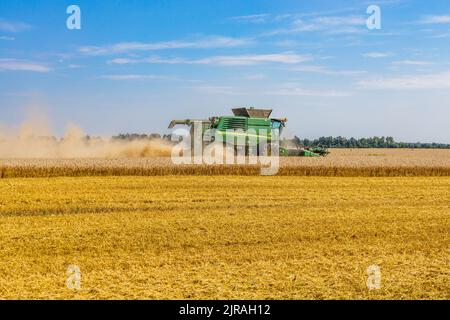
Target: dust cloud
34 139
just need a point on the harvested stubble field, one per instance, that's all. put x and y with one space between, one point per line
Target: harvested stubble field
227 237
341 162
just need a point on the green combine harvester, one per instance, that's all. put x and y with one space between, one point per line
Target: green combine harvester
248 122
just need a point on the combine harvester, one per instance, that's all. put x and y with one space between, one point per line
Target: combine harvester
247 121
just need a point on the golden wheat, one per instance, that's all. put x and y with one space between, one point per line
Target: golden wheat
341 162
224 237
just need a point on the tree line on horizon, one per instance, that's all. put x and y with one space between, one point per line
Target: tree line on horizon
371 142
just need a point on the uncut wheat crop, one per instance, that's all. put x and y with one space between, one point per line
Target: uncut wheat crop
341 162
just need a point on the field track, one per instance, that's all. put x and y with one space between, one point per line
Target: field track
225 237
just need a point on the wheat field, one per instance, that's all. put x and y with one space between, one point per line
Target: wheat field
227 237
340 162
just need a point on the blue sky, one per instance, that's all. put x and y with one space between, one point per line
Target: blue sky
135 65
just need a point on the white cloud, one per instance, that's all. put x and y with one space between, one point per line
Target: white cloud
255 76
412 63
22 65
435 20
409 82
122 61
252 18
330 24
288 58
288 43
340 21
297 90
204 43
13 26
287 89
376 55
74 66
223 90
232 60
5 38
156 59
298 26
440 35
127 77
345 30
326 71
